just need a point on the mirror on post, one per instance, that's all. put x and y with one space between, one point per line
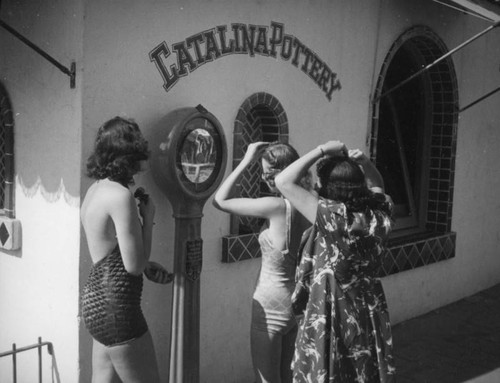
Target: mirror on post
188 164
198 154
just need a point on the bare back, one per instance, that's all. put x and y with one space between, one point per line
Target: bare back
109 217
97 221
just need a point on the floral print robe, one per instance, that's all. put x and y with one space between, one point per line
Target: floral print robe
345 333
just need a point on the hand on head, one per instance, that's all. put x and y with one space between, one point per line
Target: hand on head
358 156
255 149
334 148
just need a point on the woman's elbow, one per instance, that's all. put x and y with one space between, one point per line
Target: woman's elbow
135 268
282 185
279 182
221 204
216 204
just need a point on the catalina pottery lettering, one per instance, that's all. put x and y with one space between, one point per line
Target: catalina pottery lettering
212 44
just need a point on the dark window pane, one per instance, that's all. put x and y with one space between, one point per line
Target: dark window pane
400 141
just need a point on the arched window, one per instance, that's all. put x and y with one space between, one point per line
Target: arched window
10 228
413 143
6 155
260 118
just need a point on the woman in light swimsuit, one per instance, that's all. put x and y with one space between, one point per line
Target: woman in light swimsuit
119 241
273 328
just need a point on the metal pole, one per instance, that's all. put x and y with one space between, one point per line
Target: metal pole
479 99
70 72
40 359
14 363
177 325
185 338
22 349
437 61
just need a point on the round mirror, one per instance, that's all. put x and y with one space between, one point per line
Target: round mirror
189 155
198 155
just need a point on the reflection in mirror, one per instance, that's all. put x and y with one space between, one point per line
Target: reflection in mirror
198 155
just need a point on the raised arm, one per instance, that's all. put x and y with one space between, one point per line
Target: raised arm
373 177
256 207
288 181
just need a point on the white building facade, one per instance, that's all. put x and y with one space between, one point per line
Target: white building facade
298 71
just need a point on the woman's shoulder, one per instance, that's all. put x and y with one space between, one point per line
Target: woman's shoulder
272 201
107 194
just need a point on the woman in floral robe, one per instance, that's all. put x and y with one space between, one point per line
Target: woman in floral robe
345 333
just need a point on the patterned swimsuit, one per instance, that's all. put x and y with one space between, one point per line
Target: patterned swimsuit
111 302
271 306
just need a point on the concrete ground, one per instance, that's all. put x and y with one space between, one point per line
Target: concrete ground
453 344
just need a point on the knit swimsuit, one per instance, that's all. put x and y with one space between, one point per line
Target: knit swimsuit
111 302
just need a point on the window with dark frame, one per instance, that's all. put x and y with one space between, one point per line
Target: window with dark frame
260 118
6 155
413 144
403 139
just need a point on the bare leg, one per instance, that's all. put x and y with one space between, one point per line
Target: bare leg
287 352
266 355
102 367
135 362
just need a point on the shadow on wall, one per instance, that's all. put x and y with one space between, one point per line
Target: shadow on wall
47 149
52 190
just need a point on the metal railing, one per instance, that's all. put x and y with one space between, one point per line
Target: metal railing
16 351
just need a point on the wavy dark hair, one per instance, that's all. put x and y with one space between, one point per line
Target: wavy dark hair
119 149
343 180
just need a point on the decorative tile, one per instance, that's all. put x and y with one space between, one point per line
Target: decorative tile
417 253
237 248
10 233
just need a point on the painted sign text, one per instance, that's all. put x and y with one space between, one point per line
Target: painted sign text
210 45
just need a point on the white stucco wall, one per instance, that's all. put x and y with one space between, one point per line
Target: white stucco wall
353 39
110 41
39 283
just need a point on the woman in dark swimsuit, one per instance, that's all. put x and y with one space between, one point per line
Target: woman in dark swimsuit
119 240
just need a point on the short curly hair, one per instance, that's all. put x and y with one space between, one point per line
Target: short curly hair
119 149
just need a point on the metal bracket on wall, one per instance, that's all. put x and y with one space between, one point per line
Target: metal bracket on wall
426 68
71 72
480 99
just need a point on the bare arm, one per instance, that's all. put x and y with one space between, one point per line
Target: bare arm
147 210
134 239
256 207
288 181
373 177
